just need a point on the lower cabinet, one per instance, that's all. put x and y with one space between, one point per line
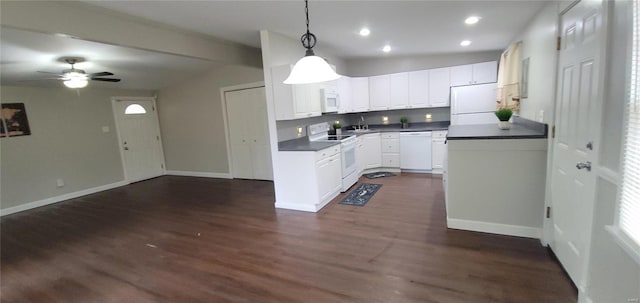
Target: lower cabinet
390 143
308 180
372 155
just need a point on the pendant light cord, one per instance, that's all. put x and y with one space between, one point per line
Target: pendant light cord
308 39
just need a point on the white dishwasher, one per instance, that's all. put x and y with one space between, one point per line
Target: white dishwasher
415 151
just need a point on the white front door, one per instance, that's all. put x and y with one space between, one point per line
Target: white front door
578 101
139 134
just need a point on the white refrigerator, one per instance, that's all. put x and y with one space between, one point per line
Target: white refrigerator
474 104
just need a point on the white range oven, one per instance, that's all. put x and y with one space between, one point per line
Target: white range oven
320 133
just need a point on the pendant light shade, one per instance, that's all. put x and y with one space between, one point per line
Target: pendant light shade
311 68
75 80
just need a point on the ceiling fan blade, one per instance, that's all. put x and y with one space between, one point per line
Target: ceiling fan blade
106 79
49 73
40 79
101 74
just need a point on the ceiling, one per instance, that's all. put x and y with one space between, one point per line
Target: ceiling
410 27
24 53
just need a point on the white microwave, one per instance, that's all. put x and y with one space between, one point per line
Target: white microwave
330 101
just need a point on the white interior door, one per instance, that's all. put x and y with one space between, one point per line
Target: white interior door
578 101
249 134
139 134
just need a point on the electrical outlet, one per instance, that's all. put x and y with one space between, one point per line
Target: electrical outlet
60 182
105 129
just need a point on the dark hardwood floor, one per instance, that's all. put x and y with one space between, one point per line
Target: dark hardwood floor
182 239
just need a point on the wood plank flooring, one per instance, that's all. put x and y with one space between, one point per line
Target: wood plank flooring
183 239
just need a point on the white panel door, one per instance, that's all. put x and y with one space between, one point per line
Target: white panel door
140 139
419 89
379 92
399 90
248 134
579 97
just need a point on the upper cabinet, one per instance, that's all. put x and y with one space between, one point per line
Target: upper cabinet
379 92
345 95
419 89
294 101
486 72
399 91
439 84
359 94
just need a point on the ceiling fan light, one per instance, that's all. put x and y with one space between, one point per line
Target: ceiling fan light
311 69
76 83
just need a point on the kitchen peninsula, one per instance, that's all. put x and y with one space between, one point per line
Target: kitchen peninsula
495 179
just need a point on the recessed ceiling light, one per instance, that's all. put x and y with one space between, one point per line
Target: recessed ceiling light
465 43
472 20
365 32
386 48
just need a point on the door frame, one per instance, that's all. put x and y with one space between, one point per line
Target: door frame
225 119
597 170
114 100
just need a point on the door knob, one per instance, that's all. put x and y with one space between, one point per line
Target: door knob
126 148
590 145
582 165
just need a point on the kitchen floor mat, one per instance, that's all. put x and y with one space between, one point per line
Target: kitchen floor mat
380 174
361 194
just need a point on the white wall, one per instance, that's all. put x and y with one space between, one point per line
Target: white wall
89 22
67 142
539 45
191 119
381 65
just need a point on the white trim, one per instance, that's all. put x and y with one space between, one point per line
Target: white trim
628 245
225 119
56 199
608 174
583 297
296 206
495 228
198 174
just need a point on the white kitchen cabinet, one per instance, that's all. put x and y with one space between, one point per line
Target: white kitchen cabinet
439 84
372 151
248 134
329 173
399 91
308 180
379 92
343 88
419 89
359 94
438 150
479 73
390 145
294 101
360 154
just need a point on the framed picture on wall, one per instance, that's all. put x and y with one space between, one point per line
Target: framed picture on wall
14 120
524 79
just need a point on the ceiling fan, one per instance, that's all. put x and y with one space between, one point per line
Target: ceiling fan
77 78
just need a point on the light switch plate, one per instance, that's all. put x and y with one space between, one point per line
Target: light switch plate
105 129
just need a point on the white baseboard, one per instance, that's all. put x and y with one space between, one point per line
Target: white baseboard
495 228
56 199
198 174
297 206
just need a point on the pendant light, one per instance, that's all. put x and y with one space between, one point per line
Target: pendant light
311 68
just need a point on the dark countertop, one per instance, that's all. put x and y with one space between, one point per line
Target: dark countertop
303 144
413 127
520 129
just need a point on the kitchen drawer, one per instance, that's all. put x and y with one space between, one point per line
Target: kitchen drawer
391 160
439 134
390 136
327 152
390 146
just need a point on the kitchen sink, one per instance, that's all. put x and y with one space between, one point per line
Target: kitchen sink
361 130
